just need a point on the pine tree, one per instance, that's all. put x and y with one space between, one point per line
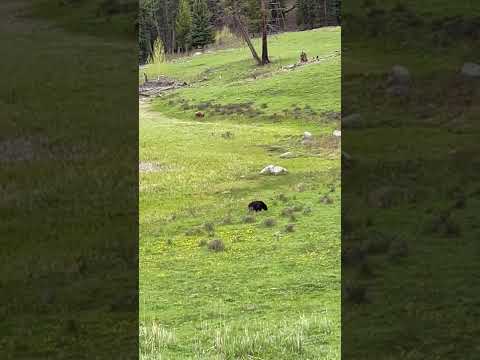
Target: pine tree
183 25
202 30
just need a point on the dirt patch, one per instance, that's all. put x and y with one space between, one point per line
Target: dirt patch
158 86
149 167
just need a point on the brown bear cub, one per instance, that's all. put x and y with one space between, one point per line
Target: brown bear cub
257 206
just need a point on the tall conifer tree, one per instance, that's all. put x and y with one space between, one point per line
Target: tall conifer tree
202 30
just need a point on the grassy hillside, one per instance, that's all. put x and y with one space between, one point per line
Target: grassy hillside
274 291
411 194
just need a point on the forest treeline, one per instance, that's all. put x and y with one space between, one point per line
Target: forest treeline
183 25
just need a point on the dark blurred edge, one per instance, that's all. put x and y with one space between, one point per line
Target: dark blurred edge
68 184
410 171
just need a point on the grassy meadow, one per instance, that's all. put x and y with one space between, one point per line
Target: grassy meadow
60 171
411 193
273 291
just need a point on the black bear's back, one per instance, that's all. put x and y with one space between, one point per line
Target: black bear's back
257 206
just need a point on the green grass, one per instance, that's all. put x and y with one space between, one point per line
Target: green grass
271 293
422 146
89 16
55 86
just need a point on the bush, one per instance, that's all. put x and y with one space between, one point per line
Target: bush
216 245
209 227
270 222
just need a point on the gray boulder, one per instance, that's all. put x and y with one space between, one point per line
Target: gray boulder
273 170
471 70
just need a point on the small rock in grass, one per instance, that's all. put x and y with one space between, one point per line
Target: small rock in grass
326 200
273 170
337 133
290 228
307 136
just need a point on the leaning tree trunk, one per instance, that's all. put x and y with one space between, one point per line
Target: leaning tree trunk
265 59
246 38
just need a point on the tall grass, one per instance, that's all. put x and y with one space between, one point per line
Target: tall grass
154 338
293 339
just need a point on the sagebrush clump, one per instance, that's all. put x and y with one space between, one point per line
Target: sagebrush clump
216 245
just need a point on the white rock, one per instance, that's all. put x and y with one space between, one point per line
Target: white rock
337 133
197 53
273 170
307 136
471 70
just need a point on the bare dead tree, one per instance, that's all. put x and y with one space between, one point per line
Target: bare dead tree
265 59
239 24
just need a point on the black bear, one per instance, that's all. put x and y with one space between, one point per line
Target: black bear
257 206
